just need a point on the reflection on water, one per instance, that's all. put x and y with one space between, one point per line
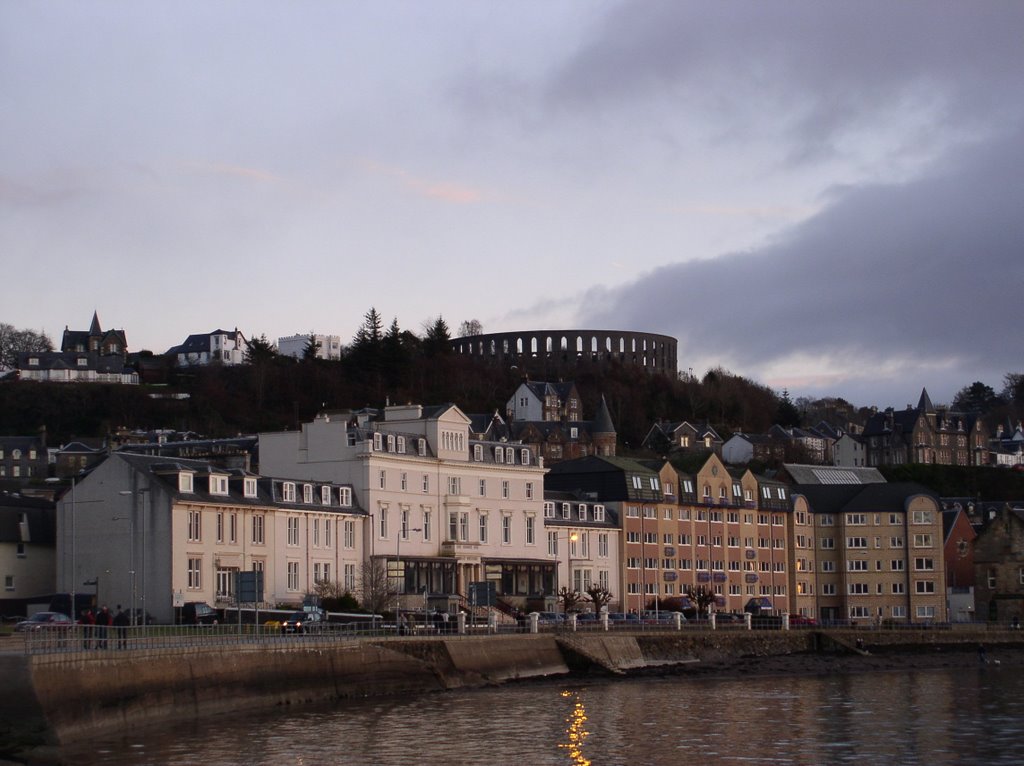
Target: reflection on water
937 717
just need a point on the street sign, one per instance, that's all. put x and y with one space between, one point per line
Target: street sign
249 587
482 593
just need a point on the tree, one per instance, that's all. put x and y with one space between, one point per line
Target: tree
787 415
14 342
569 598
379 592
701 596
978 398
260 350
599 596
437 341
470 327
1013 387
312 348
370 332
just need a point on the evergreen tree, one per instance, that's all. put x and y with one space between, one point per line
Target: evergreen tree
437 341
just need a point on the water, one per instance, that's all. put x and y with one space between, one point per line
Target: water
934 717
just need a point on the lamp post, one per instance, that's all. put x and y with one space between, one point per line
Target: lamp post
131 558
570 538
134 492
403 531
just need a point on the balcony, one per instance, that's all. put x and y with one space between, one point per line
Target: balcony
463 550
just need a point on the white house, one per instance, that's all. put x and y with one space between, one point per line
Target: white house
217 347
328 346
447 510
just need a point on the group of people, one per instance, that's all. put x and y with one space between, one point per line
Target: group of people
96 627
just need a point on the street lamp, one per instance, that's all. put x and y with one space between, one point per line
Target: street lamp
131 558
130 492
403 531
570 538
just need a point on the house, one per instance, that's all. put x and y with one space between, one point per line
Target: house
78 457
24 457
225 347
95 340
925 434
873 552
741 449
447 510
327 346
849 450
540 401
1007 446
154 532
86 356
958 552
999 566
666 437
27 544
583 534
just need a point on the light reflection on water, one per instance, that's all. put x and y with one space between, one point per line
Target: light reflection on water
935 717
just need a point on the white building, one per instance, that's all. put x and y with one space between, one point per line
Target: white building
217 347
328 346
447 510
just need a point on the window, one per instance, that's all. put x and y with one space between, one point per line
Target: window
828 543
293 575
345 496
378 442
327 533
828 589
524 456
288 492
421 447
184 482
898 589
454 485
896 565
924 564
921 517
499 455
856 565
826 520
478 452
582 511
382 479
483 527
828 566
249 487
8 582
403 481
856 519
382 523
505 489
349 577
307 493
923 541
349 534
426 483
293 530
859 611
549 510
195 526
325 495
925 612
552 543
233 528
220 526
599 513
218 485
856 542
401 445
195 573
895 542
531 526
506 529
924 586
602 545
529 490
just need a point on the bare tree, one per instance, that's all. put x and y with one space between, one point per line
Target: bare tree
14 341
701 596
599 596
569 598
379 592
470 327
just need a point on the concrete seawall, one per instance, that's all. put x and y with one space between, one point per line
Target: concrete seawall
59 698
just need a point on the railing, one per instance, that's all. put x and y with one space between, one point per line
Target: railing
79 643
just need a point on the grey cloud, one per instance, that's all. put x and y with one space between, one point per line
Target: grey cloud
930 269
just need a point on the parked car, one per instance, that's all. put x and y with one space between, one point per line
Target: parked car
725 618
801 620
550 618
44 621
304 622
623 618
198 613
660 617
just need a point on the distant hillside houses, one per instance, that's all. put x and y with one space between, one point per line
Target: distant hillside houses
327 346
86 356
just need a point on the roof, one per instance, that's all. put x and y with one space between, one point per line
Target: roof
39 513
869 498
821 474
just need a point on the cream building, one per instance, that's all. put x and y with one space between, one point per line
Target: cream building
446 510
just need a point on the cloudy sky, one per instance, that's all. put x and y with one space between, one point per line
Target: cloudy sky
825 197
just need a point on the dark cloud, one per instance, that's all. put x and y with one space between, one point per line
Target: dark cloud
902 276
814 70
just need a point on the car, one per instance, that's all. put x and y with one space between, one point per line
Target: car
801 620
198 613
623 618
660 617
550 618
304 622
723 618
44 621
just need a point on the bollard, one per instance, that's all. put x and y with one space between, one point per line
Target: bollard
534 619
712 623
492 622
785 620
572 622
748 620
604 621
679 620
461 618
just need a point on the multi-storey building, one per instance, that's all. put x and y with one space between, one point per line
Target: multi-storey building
925 434
447 510
218 347
877 552
327 346
156 532
999 565
584 535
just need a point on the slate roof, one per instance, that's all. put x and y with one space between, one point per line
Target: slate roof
40 513
823 474
869 498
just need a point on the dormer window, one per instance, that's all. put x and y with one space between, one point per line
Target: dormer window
510 455
401 445
478 452
325 495
307 493
184 482
378 441
249 487
421 447
549 510
33 361
391 443
524 456
582 509
288 491
566 511
82 361
345 497
598 513
218 484
499 455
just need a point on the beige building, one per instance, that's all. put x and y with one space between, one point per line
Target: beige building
155 532
869 552
446 510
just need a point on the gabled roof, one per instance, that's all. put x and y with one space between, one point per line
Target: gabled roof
868 498
823 474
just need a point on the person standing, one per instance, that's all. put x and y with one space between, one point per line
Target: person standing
121 627
88 623
103 622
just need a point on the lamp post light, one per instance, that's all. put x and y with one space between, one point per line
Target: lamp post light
131 559
144 491
570 538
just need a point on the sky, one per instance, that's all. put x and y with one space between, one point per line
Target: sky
824 197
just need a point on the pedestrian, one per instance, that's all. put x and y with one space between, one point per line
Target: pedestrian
121 621
88 623
104 619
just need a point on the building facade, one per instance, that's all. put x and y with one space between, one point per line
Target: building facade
327 346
